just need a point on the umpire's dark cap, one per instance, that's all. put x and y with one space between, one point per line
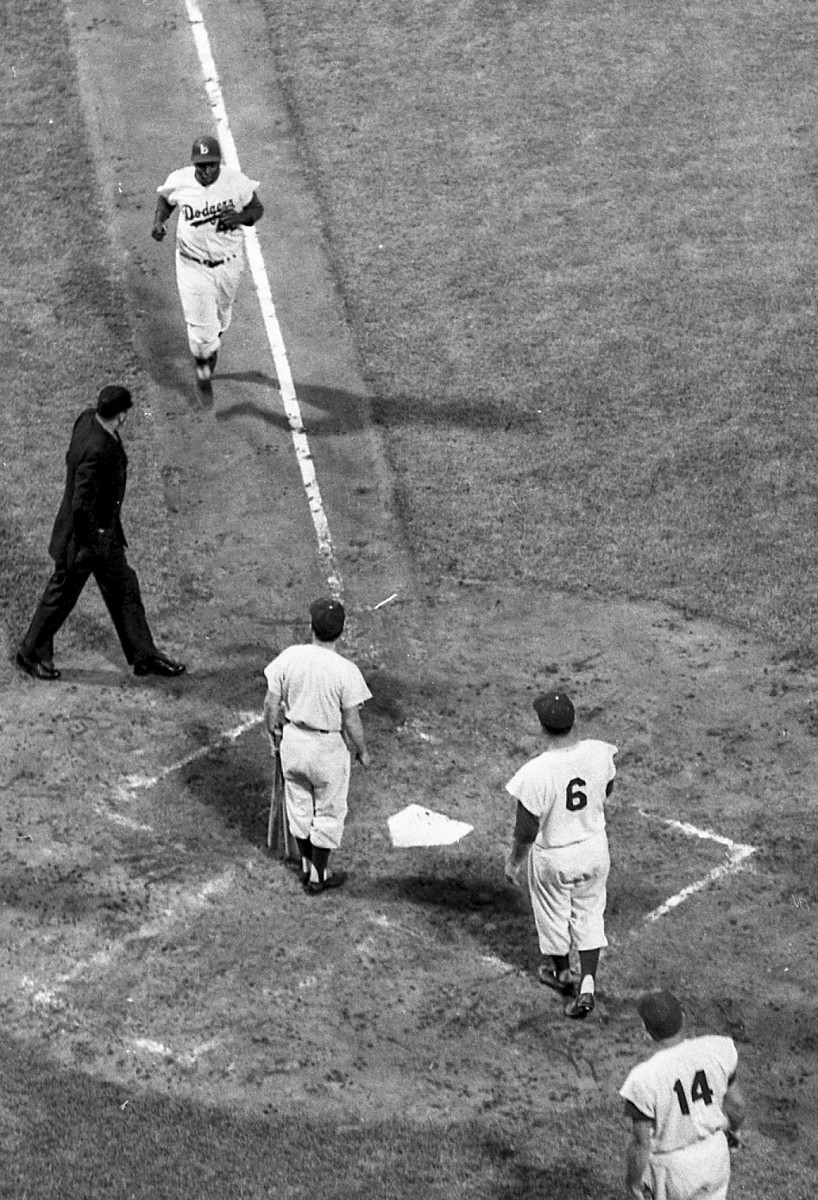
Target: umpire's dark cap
556 712
661 1013
112 401
327 618
206 149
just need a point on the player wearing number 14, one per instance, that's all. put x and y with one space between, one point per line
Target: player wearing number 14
559 833
685 1108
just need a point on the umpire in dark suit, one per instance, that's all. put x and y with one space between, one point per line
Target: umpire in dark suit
88 539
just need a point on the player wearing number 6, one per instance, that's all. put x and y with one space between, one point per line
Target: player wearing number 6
685 1108
560 833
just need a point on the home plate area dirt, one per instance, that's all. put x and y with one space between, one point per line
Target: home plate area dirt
150 936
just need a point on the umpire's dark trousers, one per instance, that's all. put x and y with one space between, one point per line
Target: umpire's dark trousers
119 586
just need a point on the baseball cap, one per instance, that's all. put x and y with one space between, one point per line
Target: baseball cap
661 1013
112 401
206 149
327 618
556 712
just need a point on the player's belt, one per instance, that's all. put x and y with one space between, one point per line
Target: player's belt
204 262
310 728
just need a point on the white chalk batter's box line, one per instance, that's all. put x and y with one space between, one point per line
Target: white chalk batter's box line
737 856
53 997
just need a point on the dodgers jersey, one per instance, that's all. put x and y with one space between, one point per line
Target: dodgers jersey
565 789
682 1089
314 685
199 209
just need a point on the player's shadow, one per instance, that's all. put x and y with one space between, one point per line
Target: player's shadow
257 378
234 780
334 410
494 914
323 410
252 410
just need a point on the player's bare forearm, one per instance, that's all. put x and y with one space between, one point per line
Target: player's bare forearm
637 1158
735 1109
273 716
161 217
252 212
526 828
354 733
516 859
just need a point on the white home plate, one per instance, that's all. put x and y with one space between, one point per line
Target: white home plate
416 826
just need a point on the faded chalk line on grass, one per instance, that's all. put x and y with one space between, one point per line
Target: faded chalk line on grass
259 272
129 784
187 1058
183 906
738 854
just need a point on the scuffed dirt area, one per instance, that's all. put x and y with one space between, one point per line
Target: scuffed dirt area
150 937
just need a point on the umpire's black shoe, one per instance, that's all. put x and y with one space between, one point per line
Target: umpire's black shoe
35 668
158 664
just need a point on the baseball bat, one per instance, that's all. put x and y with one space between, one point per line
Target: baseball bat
280 840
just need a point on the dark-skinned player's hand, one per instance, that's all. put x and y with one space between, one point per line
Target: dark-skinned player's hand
228 221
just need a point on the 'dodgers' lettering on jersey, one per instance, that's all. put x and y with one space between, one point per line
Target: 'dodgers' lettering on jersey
210 212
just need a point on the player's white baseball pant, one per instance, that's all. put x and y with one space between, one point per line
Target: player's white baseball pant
207 295
698 1172
567 886
316 769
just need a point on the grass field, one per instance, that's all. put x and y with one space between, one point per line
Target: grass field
577 250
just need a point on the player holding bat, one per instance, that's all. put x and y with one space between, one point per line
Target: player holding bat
316 694
280 838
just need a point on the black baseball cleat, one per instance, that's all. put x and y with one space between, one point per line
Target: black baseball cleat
581 1006
203 374
335 880
35 668
158 664
562 981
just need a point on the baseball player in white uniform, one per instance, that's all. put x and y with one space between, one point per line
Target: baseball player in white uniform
214 201
316 694
560 833
685 1108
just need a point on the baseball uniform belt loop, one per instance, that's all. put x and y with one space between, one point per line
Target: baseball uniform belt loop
204 262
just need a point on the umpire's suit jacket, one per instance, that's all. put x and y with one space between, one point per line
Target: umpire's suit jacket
97 470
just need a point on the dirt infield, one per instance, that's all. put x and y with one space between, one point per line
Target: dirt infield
154 940
149 937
